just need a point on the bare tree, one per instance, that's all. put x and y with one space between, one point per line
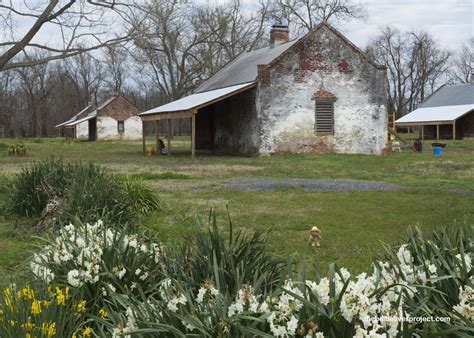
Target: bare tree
230 32
305 14
34 88
82 26
115 68
167 46
463 63
415 62
87 74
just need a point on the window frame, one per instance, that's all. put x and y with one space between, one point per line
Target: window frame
121 123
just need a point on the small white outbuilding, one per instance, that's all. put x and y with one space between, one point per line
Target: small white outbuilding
116 118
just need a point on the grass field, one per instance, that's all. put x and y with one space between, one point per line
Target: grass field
433 192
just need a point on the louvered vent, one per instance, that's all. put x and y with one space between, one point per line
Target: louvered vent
324 118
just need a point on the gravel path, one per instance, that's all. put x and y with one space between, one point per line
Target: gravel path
257 184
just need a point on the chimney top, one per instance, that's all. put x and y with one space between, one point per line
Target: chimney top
279 34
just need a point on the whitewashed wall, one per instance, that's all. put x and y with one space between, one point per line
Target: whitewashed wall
359 125
287 113
107 129
82 130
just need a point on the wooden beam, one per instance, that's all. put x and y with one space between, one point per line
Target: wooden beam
422 132
143 137
437 131
167 116
193 136
168 136
404 124
157 138
454 130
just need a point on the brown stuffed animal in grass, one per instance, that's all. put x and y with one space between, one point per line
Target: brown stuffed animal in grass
315 237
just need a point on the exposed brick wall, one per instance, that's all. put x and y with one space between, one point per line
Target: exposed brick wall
119 109
287 113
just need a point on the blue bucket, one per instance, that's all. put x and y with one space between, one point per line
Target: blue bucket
437 151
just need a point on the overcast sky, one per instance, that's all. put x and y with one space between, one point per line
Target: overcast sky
449 21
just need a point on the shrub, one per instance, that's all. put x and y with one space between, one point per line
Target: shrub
229 263
405 284
17 149
82 190
38 310
143 199
99 260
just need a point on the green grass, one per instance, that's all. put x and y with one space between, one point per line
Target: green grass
435 192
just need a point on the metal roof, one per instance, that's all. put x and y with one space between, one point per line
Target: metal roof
87 118
198 99
451 95
244 68
436 114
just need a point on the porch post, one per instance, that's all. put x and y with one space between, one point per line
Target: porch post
193 135
157 137
168 136
143 137
423 132
437 132
454 129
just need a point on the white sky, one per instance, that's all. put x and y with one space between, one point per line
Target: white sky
451 22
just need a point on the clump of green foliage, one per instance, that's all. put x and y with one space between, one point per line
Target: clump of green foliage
17 149
83 190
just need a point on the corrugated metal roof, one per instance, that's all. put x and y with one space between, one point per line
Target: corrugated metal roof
244 68
451 95
88 117
198 99
436 114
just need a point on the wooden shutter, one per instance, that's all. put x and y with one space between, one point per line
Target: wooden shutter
324 118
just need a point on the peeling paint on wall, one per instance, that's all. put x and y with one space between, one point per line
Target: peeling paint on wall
82 130
107 129
287 113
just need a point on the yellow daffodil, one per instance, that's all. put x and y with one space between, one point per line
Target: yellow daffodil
48 329
28 335
81 306
8 298
86 331
50 290
60 297
36 307
28 325
26 292
45 303
12 322
102 313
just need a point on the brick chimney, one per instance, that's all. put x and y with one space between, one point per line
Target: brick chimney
278 35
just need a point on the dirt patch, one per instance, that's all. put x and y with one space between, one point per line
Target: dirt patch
258 184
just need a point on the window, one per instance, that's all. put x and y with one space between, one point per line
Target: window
121 126
324 122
